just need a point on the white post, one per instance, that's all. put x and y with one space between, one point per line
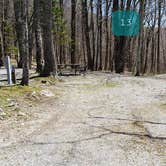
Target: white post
9 69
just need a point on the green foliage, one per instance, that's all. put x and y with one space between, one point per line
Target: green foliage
8 27
13 50
59 27
9 36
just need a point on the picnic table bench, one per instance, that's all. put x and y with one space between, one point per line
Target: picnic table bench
76 68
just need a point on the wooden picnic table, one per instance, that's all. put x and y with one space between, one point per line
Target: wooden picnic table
76 67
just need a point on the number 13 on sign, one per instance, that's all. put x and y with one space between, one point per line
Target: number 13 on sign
127 22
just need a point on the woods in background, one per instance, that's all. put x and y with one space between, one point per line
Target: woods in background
80 31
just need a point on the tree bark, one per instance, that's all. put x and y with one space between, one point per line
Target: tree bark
73 30
86 32
49 58
107 34
92 32
38 36
159 32
21 13
100 35
139 50
119 45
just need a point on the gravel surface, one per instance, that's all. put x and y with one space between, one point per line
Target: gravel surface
100 120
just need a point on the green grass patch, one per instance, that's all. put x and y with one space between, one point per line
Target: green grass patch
16 91
16 100
163 106
11 96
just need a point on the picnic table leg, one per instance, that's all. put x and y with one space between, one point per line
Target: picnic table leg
75 71
13 75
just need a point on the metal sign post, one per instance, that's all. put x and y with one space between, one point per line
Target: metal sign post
9 70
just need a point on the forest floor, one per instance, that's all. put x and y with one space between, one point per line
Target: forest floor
94 120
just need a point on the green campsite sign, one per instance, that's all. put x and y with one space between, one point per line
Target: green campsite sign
125 23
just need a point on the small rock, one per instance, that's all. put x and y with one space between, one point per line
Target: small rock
3 114
12 104
1 110
9 100
34 93
21 114
22 124
47 93
1 118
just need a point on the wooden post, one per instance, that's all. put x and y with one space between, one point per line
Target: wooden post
8 68
13 75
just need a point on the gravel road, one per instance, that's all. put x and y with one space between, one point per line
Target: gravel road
100 120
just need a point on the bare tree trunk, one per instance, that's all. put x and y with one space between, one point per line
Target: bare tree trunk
49 58
2 33
86 32
100 35
21 13
2 54
107 34
19 29
61 47
83 46
38 36
148 36
3 26
97 38
159 32
152 65
119 45
93 33
73 30
111 58
139 50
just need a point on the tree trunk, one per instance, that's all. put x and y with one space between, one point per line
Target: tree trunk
2 53
159 32
119 45
100 35
107 34
139 50
49 59
86 32
21 13
120 42
19 29
38 36
3 27
61 47
73 30
92 32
